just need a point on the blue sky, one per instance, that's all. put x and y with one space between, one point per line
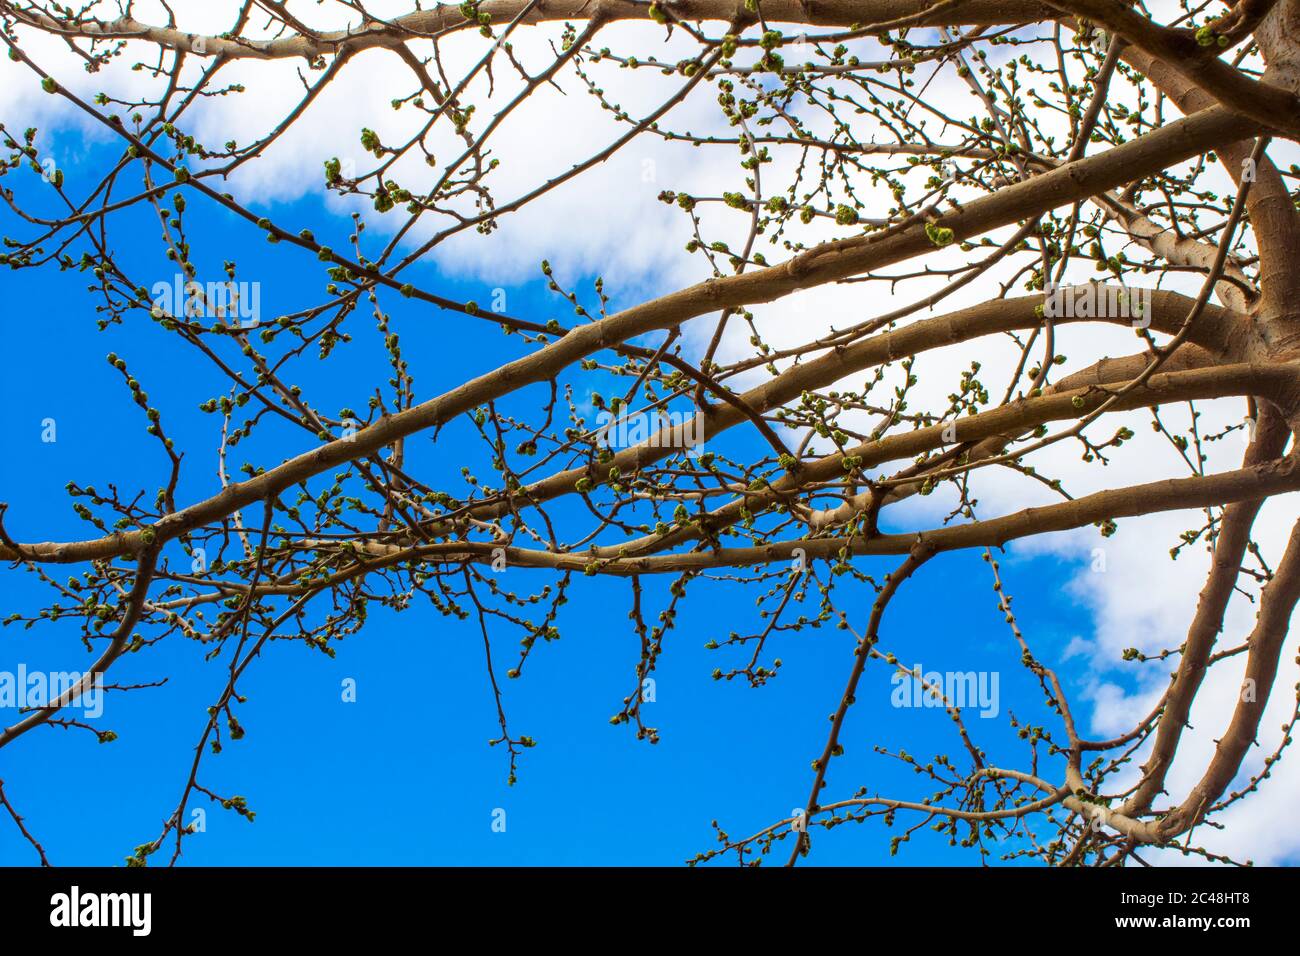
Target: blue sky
404 774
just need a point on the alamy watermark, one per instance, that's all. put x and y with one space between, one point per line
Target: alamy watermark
77 909
656 428
1099 301
32 690
230 301
958 689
